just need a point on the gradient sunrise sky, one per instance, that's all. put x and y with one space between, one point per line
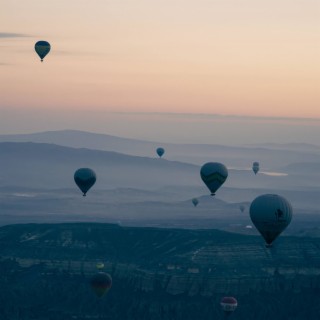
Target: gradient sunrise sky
227 57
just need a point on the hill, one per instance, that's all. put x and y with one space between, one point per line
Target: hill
157 273
51 166
37 185
271 156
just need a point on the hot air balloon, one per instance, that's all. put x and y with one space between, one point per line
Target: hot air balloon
228 305
195 201
271 214
101 283
42 49
85 178
242 207
100 265
255 167
160 152
213 174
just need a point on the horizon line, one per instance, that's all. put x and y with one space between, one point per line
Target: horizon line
212 115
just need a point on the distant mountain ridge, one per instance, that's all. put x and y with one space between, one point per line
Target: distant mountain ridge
49 166
40 164
234 156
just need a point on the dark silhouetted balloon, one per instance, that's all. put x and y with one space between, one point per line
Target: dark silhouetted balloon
101 283
270 214
195 201
256 167
85 178
160 152
42 49
213 174
228 305
242 207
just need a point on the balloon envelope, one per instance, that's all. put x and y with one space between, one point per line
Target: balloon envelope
228 304
213 174
256 167
271 214
100 265
42 48
101 283
85 178
195 201
160 152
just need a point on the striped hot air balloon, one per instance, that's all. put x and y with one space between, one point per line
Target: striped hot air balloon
213 174
101 283
228 305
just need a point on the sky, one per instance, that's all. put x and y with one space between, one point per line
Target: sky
231 58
